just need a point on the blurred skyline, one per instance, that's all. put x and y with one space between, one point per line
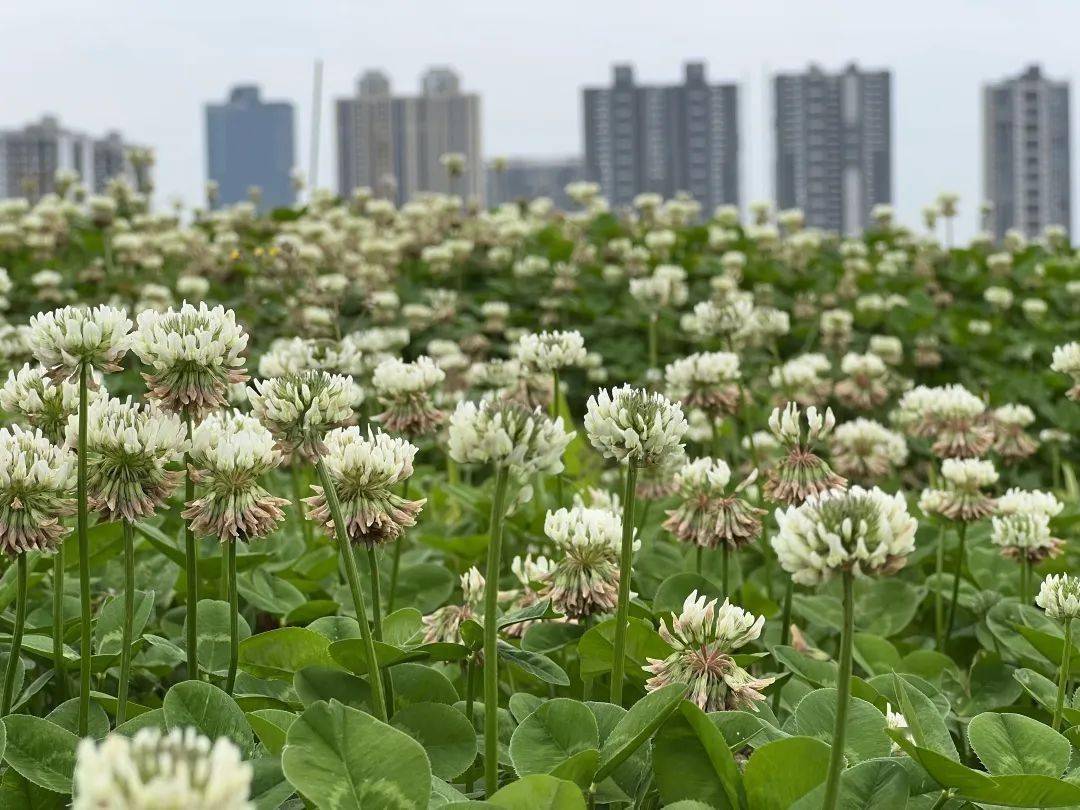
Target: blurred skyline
148 69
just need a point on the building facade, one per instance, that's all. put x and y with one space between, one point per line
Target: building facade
250 143
394 144
663 138
517 179
833 142
31 156
1026 166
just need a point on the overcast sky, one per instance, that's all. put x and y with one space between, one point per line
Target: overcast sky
146 67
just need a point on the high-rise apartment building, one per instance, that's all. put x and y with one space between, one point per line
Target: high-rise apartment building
517 179
395 144
31 156
663 138
833 141
250 143
1026 168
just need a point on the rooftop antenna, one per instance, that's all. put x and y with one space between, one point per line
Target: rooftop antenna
316 115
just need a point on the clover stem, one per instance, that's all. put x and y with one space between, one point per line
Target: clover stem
622 612
491 634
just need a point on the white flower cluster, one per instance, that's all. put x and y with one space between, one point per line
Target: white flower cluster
1066 360
551 351
287 356
122 426
946 402
1014 415
359 462
866 365
969 473
45 404
703 475
233 442
36 479
584 526
723 318
666 287
702 622
1027 533
192 336
1059 596
801 377
158 771
865 531
300 408
865 447
64 339
1024 501
633 426
507 434
700 370
395 377
786 425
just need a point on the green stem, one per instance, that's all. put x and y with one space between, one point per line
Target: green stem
1025 579
470 689
191 559
785 633
296 474
491 634
554 416
1063 675
84 562
698 554
376 618
725 554
843 694
622 612
399 547
378 697
234 617
129 620
961 534
16 637
654 351
939 602
59 664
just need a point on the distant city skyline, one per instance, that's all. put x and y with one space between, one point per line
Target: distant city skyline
151 72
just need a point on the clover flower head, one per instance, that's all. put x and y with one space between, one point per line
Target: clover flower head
36 482
800 473
128 449
230 452
45 404
800 378
287 356
706 380
711 513
1066 360
300 408
703 637
1018 501
1059 596
507 434
962 497
865 449
724 318
66 339
405 389
1024 535
951 416
586 579
635 427
155 770
550 351
865 531
1011 441
444 625
364 470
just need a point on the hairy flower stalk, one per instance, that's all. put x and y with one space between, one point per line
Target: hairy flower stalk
801 474
36 479
130 448
704 637
852 533
72 342
229 454
155 770
638 430
711 513
1059 597
518 442
194 356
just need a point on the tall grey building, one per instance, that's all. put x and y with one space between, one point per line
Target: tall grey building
1026 170
394 144
31 156
833 140
250 142
663 138
519 179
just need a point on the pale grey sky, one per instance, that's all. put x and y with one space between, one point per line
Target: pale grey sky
147 66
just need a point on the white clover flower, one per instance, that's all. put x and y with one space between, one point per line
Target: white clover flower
666 287
950 415
1059 596
507 434
1024 534
962 498
192 287
300 408
1034 308
66 339
586 579
36 482
709 512
800 378
230 452
128 449
550 351
180 770
800 473
978 326
969 473
1067 361
703 637
405 390
287 356
706 380
888 348
864 531
786 425
194 354
1020 501
998 297
633 426
865 449
364 469
46 405
724 318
